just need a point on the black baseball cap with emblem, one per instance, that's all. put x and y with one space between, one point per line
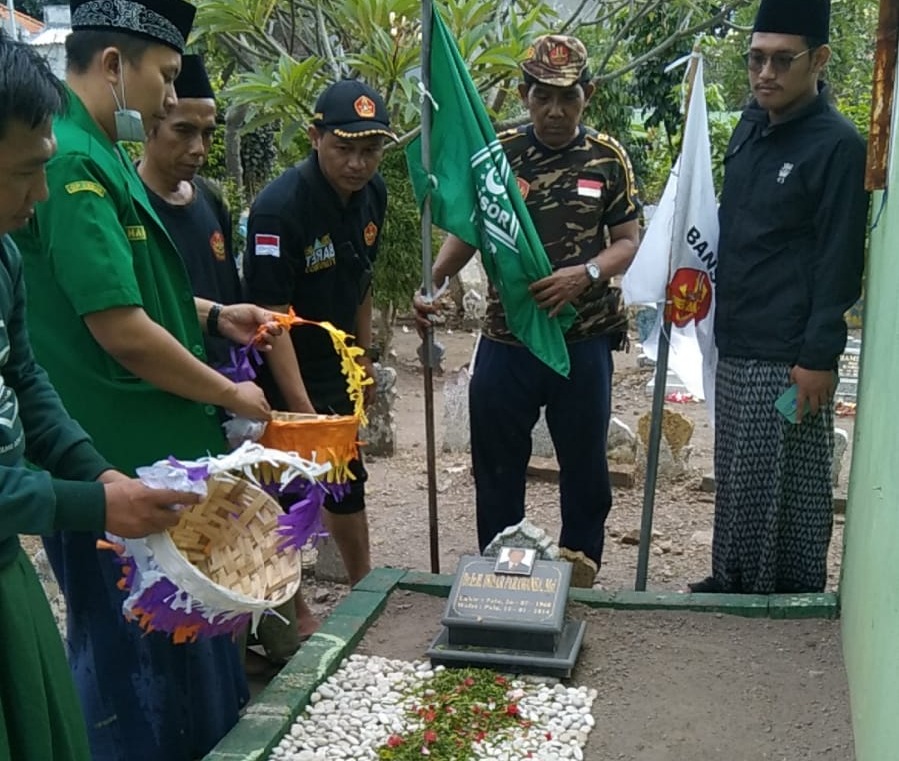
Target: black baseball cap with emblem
165 21
193 81
351 109
803 18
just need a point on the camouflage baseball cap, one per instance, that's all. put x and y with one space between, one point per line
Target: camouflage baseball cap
557 60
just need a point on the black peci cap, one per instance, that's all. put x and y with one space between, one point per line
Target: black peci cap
804 18
193 81
165 21
350 109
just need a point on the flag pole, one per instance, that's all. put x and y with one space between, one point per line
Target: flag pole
658 396
11 7
428 352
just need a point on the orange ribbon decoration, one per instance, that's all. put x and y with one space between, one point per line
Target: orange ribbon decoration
354 373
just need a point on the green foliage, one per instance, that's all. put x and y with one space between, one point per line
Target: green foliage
852 41
33 8
215 161
274 56
398 269
283 64
287 52
258 156
279 91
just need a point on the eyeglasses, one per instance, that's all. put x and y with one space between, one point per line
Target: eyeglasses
780 62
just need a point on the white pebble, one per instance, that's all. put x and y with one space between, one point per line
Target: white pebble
355 710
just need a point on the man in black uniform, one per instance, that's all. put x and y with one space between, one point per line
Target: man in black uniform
791 254
312 239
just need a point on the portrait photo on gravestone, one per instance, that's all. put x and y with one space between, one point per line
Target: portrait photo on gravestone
515 560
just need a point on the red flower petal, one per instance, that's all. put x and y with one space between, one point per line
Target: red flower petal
394 740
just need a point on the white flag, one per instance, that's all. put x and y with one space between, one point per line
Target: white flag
679 256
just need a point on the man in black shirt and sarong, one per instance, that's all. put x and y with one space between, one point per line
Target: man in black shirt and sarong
793 216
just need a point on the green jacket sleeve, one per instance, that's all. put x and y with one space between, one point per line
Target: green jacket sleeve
92 259
35 501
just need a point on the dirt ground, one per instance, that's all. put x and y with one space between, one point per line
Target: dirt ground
397 490
672 687
398 503
679 687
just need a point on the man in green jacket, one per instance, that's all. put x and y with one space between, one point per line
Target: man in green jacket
114 320
40 718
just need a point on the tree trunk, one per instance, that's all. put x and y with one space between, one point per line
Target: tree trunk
234 121
385 329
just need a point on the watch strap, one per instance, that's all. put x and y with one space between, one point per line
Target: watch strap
212 321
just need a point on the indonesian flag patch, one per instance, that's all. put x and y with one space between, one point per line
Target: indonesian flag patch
268 245
590 188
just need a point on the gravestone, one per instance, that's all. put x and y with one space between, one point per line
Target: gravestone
673 384
509 621
847 390
380 433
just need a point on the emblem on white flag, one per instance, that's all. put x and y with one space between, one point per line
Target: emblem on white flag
677 261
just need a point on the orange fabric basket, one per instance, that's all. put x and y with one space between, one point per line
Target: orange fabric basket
320 438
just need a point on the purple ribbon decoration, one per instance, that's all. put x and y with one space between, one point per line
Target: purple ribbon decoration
156 602
242 367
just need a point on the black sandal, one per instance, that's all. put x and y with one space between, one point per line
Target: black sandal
707 586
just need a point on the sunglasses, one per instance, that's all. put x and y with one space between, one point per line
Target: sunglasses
780 62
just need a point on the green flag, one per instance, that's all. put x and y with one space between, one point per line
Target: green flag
475 197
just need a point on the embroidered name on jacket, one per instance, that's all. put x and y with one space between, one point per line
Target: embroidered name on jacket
320 255
85 186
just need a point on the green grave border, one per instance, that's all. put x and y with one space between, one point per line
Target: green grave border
271 714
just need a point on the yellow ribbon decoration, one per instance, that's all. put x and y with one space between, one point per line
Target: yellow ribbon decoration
356 378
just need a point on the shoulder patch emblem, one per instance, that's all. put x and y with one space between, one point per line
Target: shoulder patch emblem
559 55
371 234
591 187
524 186
268 245
136 232
365 107
217 244
86 186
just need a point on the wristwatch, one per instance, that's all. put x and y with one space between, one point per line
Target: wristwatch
593 272
212 321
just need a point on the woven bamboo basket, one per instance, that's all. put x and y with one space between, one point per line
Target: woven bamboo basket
224 551
322 438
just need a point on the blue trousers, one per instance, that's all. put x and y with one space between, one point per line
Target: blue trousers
144 698
507 390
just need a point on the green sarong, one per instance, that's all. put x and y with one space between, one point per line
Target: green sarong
40 712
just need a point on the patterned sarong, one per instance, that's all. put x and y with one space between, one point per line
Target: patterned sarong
774 501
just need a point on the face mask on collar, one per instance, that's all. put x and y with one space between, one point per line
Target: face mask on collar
129 126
